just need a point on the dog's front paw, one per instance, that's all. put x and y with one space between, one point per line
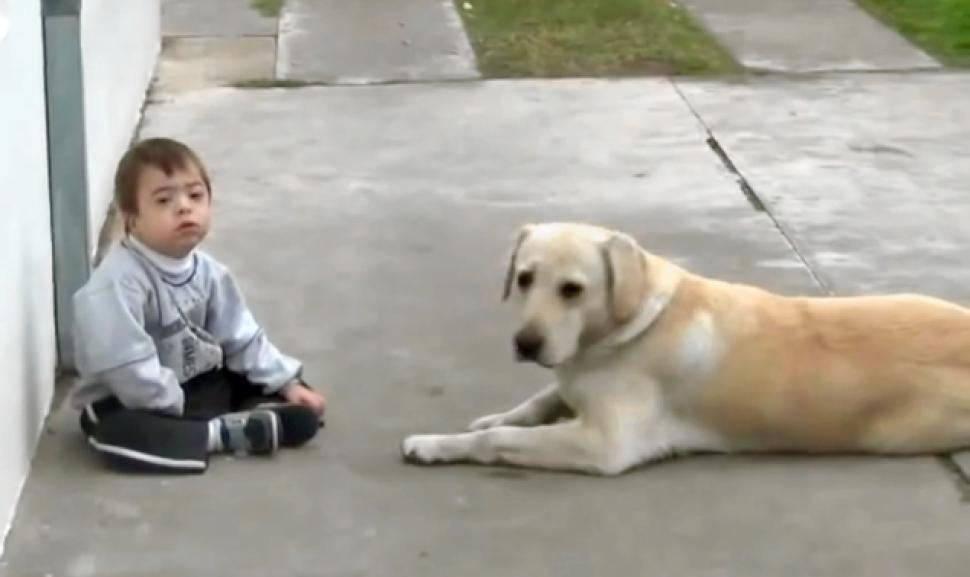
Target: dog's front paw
487 422
422 449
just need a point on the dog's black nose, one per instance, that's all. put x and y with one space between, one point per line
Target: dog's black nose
528 344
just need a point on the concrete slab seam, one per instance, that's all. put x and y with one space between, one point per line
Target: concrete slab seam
753 199
756 201
278 82
960 476
210 36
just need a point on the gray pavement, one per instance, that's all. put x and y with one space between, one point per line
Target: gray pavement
373 41
376 255
870 176
962 460
214 18
196 62
807 36
214 43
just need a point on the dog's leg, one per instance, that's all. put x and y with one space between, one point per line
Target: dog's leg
542 407
568 446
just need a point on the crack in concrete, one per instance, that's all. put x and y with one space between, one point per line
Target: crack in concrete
749 192
959 476
756 201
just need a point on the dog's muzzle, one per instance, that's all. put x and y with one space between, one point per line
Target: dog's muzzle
528 344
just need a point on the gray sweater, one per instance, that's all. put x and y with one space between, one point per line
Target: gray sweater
144 325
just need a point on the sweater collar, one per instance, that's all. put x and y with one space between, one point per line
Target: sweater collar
174 269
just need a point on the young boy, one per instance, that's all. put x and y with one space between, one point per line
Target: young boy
174 367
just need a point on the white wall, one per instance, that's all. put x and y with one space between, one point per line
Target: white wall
27 348
120 42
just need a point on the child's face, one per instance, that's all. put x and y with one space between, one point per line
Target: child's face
173 211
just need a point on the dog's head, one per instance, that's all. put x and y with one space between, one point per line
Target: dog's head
575 285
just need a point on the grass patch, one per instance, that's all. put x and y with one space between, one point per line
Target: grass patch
268 8
554 38
941 27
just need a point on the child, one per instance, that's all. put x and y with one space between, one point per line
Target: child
173 365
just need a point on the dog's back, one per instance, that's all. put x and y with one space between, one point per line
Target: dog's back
878 373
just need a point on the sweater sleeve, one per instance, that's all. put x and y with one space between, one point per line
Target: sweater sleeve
112 346
247 348
146 385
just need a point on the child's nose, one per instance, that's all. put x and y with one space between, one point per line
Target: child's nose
182 203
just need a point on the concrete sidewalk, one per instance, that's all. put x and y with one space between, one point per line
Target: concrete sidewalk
374 41
228 42
807 36
214 42
376 255
869 176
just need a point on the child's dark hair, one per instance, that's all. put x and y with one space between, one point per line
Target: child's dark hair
165 154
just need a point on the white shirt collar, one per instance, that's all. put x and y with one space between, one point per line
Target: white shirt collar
175 267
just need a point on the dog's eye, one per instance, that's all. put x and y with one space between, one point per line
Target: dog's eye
525 280
570 290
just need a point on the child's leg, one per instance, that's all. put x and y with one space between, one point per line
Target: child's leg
209 395
218 396
141 440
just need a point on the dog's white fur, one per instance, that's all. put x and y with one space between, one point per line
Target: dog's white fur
651 360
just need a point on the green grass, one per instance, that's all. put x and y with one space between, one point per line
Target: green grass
268 8
941 27
555 38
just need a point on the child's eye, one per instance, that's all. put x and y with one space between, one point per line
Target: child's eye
162 200
196 195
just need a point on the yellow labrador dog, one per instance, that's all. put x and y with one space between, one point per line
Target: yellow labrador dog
651 361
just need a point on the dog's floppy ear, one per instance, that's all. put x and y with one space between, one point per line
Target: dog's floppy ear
510 272
626 276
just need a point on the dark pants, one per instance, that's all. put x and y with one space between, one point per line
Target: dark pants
134 439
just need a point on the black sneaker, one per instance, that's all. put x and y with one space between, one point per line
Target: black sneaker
254 432
298 424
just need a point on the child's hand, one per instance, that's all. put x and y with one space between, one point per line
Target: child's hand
296 393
